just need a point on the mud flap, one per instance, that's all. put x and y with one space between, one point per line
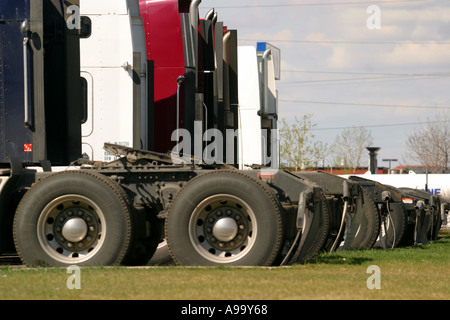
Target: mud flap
390 217
353 222
361 217
352 216
365 224
422 224
312 226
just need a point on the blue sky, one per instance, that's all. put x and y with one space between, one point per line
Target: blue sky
346 74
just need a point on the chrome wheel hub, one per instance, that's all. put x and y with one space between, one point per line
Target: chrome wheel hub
75 230
225 229
222 228
71 229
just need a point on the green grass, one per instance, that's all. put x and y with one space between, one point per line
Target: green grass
420 272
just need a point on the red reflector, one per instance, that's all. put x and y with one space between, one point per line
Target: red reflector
266 175
27 147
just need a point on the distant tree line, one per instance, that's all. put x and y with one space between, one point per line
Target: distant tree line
300 149
428 146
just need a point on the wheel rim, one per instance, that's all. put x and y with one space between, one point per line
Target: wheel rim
223 228
71 229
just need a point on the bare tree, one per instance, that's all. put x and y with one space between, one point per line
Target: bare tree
320 152
297 145
430 145
349 146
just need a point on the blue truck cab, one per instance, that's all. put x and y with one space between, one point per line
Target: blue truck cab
40 89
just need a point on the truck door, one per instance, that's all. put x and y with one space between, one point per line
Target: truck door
40 90
15 112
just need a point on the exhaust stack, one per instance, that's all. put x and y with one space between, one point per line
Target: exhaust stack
373 162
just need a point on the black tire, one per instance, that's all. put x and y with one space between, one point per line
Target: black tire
230 201
436 226
334 208
162 256
73 217
146 231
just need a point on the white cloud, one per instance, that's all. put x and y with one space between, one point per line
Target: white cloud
417 55
406 55
283 35
341 58
404 23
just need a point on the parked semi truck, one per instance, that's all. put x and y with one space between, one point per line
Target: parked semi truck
107 82
64 202
257 72
116 95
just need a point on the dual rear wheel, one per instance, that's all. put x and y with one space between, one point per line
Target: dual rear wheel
78 217
218 218
85 218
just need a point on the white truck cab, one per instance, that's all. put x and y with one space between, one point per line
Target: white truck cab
113 71
114 78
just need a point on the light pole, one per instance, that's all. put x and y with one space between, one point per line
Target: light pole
390 161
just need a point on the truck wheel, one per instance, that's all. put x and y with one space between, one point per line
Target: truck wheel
224 218
73 217
144 239
162 256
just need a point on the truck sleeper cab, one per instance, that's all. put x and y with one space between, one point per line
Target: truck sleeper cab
114 73
165 76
